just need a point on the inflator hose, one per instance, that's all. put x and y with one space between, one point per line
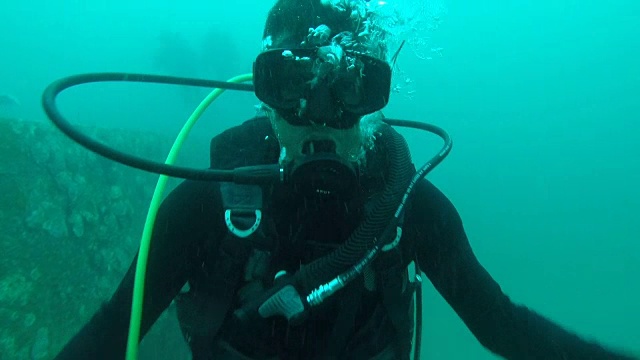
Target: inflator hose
398 177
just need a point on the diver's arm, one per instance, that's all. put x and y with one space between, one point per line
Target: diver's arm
510 330
179 229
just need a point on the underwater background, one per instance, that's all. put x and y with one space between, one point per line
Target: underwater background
542 99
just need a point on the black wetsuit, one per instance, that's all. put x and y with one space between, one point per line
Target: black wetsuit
190 221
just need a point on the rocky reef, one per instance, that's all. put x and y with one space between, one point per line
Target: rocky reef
71 222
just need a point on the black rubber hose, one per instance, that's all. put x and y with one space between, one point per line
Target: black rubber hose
250 175
399 176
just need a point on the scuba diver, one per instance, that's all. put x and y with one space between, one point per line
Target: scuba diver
236 257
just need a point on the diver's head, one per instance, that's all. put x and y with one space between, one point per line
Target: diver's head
322 69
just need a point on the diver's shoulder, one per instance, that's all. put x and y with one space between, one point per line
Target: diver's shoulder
429 199
258 124
249 143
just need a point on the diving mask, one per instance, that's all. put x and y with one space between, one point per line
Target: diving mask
325 86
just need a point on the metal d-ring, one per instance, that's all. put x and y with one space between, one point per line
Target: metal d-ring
238 232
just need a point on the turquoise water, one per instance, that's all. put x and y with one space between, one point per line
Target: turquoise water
541 99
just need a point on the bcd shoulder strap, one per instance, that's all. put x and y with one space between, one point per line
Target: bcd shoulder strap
201 314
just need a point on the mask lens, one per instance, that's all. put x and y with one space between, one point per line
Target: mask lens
281 80
369 88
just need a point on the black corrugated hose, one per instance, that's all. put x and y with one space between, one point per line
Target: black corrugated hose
399 176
